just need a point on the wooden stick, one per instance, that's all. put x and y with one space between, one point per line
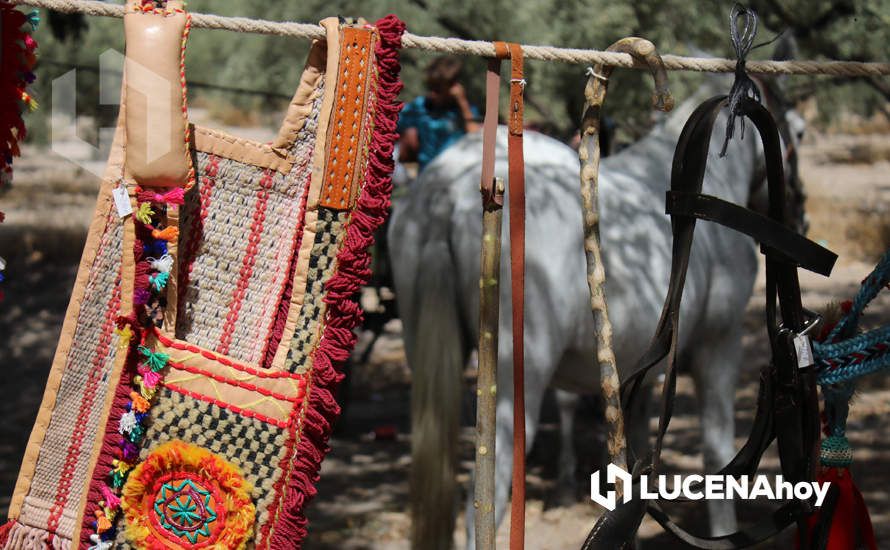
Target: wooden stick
486 383
589 155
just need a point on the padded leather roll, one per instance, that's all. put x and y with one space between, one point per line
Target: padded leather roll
156 123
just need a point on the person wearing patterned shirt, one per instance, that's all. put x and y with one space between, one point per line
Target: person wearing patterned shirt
432 122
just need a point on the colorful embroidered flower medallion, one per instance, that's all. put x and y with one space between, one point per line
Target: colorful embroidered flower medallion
184 497
186 509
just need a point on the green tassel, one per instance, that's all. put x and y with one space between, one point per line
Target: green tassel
136 433
159 281
34 19
156 361
118 479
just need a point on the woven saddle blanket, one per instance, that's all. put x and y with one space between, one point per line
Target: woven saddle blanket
190 399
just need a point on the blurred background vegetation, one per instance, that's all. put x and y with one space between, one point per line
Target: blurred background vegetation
247 79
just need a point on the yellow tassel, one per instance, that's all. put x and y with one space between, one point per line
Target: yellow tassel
123 337
121 467
144 213
144 391
29 101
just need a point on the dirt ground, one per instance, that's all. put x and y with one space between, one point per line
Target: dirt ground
363 491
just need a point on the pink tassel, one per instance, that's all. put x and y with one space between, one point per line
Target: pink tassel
174 196
111 499
151 378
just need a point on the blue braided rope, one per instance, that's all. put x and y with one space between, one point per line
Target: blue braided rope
842 353
857 370
843 356
870 287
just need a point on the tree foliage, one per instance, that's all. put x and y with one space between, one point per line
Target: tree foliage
823 29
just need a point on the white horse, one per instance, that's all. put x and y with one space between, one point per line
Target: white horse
435 247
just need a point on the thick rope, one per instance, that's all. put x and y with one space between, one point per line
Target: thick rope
844 355
485 49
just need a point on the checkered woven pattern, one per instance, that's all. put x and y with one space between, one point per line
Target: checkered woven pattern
61 471
250 444
330 229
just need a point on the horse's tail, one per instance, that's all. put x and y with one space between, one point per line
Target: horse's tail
437 357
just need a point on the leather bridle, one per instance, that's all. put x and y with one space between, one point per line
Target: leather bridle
787 406
776 104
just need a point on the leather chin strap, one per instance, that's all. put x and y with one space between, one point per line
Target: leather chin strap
787 406
516 199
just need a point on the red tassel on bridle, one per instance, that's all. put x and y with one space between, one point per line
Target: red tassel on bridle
848 524
842 523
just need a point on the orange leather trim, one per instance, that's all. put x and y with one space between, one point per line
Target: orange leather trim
501 51
346 151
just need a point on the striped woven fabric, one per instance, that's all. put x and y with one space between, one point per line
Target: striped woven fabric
191 395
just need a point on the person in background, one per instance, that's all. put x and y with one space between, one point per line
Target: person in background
432 122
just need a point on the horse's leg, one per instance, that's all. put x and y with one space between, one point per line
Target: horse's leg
567 403
715 369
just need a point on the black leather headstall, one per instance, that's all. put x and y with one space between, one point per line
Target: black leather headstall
787 405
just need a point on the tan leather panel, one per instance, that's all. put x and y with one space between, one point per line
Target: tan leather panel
104 203
157 151
227 146
330 47
227 382
301 105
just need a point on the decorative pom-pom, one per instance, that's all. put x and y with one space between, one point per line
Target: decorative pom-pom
151 379
163 264
159 281
127 423
102 522
144 213
99 544
123 337
111 500
156 361
140 404
167 234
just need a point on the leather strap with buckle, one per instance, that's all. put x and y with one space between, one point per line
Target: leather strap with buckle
516 201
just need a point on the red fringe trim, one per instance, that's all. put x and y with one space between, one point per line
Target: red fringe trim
110 447
343 313
4 531
111 440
